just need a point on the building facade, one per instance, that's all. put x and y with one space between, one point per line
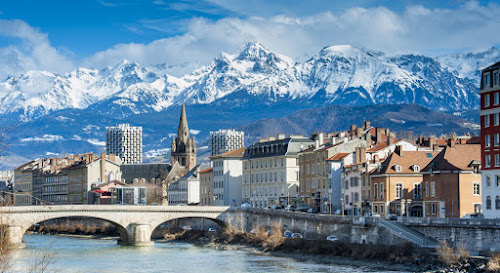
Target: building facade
183 147
490 139
206 186
227 177
125 141
397 184
271 171
185 191
223 141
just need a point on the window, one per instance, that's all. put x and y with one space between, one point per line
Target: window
487 161
426 189
376 209
495 79
497 202
488 202
487 100
497 160
488 181
381 190
416 168
433 209
477 188
497 180
397 168
381 209
399 191
496 140
375 191
486 121
496 120
487 141
417 191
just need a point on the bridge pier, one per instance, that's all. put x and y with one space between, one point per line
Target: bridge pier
15 237
138 235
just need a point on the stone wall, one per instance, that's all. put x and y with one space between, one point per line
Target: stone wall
476 234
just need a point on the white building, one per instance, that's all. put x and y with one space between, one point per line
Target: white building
227 178
223 141
186 190
271 171
125 141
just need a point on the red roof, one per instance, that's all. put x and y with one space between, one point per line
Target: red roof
206 170
338 156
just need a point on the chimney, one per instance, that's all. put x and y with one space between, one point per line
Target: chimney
431 142
103 168
52 165
316 143
353 127
451 142
321 138
360 155
390 140
367 124
368 138
281 136
112 157
359 132
378 131
435 147
333 140
399 150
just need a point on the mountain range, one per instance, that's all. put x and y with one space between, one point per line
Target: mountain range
55 113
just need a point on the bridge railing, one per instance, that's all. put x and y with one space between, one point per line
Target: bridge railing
404 233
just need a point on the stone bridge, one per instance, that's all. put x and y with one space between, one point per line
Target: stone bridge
134 223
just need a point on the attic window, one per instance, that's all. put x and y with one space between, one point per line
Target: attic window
429 155
397 168
416 168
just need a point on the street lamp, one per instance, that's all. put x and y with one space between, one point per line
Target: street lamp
342 205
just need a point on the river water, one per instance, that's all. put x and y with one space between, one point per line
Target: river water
73 254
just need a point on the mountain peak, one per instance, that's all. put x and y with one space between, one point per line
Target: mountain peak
253 51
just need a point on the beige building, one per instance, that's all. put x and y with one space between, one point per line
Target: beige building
397 184
271 171
452 182
23 185
206 186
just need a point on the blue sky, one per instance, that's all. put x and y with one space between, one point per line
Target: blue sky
60 35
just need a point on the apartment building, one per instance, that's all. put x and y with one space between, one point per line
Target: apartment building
223 141
397 184
452 182
206 186
125 141
227 177
490 139
271 171
336 166
23 184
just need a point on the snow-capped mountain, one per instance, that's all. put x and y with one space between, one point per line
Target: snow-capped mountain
336 75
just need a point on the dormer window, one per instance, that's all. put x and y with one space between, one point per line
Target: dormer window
416 168
397 168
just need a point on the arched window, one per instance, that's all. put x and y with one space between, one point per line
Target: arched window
488 202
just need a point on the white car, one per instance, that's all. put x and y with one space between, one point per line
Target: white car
187 228
287 234
297 235
332 238
212 229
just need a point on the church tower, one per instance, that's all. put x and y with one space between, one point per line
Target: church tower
183 148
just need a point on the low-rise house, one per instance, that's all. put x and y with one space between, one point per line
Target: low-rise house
452 182
396 185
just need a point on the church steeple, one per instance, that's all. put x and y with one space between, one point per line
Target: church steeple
183 130
183 148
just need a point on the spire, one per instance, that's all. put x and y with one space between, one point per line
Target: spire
183 131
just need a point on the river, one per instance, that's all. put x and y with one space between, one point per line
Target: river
73 254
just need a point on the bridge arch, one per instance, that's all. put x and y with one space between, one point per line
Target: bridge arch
122 231
201 223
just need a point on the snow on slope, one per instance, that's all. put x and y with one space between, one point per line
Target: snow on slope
345 74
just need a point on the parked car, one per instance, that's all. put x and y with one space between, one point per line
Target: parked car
332 238
275 207
303 208
212 229
313 210
291 207
182 205
187 228
391 217
287 234
474 215
246 205
270 232
297 235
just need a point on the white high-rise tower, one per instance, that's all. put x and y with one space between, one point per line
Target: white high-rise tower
125 141
223 141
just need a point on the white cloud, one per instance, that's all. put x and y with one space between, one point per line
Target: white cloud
194 132
96 142
415 29
33 52
44 138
